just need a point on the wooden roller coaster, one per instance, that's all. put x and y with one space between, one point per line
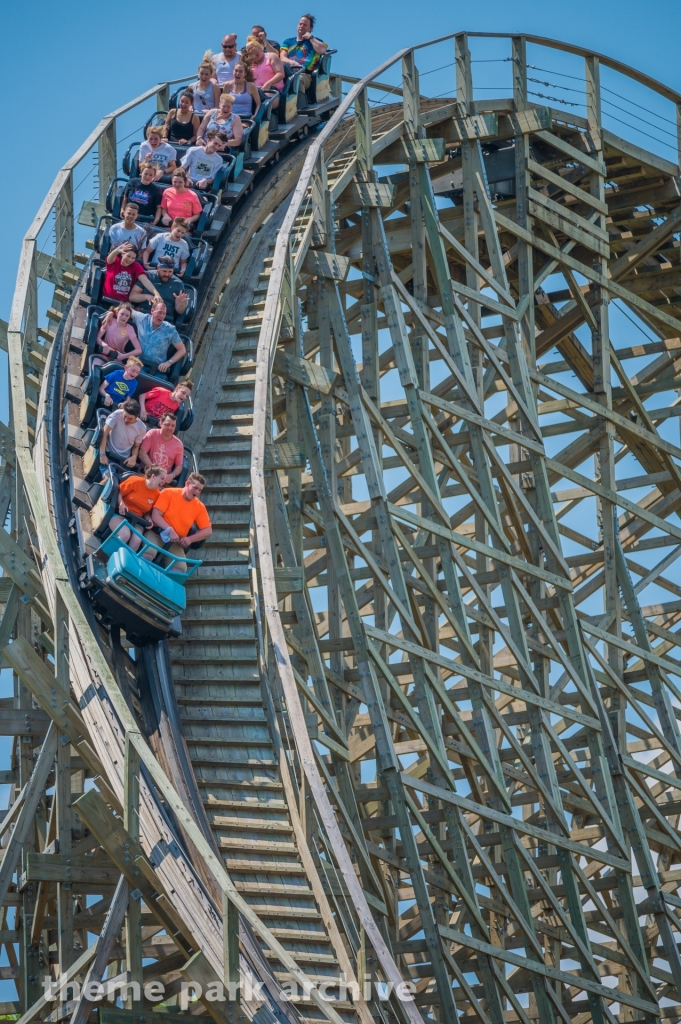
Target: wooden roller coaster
415 754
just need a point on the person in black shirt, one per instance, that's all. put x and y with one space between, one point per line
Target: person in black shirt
168 286
268 45
145 194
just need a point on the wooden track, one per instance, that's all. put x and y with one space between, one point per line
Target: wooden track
230 736
422 724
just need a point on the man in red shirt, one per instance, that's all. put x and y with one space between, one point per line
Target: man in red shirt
173 516
159 400
122 272
160 447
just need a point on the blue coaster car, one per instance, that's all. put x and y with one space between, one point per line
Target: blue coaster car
139 595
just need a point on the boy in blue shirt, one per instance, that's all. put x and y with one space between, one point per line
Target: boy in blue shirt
121 384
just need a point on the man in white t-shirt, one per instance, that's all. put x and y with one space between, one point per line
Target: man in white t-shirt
122 435
224 61
203 164
128 230
169 243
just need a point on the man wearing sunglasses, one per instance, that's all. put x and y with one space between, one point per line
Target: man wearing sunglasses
224 61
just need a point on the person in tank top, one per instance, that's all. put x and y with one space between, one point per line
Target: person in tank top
205 90
266 68
225 121
223 62
244 91
182 123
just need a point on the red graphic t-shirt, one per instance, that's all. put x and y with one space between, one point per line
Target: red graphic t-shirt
119 280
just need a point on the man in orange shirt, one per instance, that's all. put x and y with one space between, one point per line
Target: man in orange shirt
174 513
137 494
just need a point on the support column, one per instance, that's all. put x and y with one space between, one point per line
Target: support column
133 918
63 221
107 163
62 791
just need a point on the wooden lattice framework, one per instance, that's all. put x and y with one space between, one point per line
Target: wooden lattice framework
449 623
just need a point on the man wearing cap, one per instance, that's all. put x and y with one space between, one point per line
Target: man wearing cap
169 287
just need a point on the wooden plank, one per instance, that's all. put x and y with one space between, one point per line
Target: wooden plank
575 154
586 227
114 1015
366 194
592 275
55 867
58 990
26 816
496 554
285 456
21 569
477 126
612 994
419 151
289 580
198 970
7 451
485 812
457 668
524 122
130 861
52 269
326 264
15 722
90 212
573 190
639 154
109 934
305 372
36 676
566 227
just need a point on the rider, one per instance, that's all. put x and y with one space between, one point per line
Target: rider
137 494
303 50
122 434
174 514
156 335
160 447
168 286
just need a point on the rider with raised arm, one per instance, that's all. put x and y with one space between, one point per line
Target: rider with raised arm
303 50
168 287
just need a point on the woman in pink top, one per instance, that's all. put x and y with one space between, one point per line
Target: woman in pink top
115 333
267 68
180 201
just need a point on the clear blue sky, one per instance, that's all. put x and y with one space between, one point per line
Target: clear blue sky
90 58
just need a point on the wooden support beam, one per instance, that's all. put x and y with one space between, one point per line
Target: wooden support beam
109 934
25 818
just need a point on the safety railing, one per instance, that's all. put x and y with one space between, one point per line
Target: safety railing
58 267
